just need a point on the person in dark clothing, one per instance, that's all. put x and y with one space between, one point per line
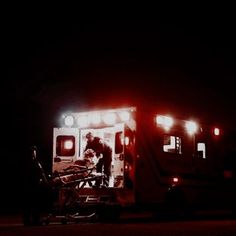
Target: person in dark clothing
32 189
104 154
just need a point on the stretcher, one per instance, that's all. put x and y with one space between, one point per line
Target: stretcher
67 185
68 207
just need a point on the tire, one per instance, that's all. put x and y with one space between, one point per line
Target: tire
176 204
109 213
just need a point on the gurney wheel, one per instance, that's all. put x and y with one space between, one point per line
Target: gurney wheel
46 221
64 221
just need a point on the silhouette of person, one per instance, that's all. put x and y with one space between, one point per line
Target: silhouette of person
31 201
104 154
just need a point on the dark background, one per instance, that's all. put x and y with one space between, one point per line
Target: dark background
182 63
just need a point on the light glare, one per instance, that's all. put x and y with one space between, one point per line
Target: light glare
82 121
69 120
216 131
109 118
191 127
125 116
126 141
175 179
68 144
165 121
95 118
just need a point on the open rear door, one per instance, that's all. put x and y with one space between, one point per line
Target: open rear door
65 148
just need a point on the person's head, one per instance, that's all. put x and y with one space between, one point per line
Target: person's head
89 136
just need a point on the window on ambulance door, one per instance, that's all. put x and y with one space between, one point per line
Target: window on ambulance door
119 140
172 144
65 145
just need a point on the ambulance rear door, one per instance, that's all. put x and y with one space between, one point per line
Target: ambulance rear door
65 148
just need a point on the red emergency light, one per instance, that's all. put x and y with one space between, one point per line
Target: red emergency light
175 179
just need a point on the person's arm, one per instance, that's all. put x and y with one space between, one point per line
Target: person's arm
86 147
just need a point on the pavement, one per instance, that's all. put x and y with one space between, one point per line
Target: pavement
9 220
15 219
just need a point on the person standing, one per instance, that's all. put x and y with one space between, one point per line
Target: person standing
32 189
104 154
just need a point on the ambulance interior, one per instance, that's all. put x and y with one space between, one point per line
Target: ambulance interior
114 137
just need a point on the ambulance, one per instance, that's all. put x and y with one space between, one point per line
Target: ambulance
159 161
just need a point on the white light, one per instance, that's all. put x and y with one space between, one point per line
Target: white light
168 121
82 121
69 120
126 141
165 121
160 120
216 131
124 115
68 144
109 118
95 118
175 179
191 127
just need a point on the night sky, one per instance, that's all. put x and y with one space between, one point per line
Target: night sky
187 64
183 64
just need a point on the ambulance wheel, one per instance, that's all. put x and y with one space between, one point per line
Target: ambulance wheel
109 213
176 204
46 222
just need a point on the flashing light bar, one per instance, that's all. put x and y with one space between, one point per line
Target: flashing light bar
82 121
124 116
95 118
109 118
85 119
